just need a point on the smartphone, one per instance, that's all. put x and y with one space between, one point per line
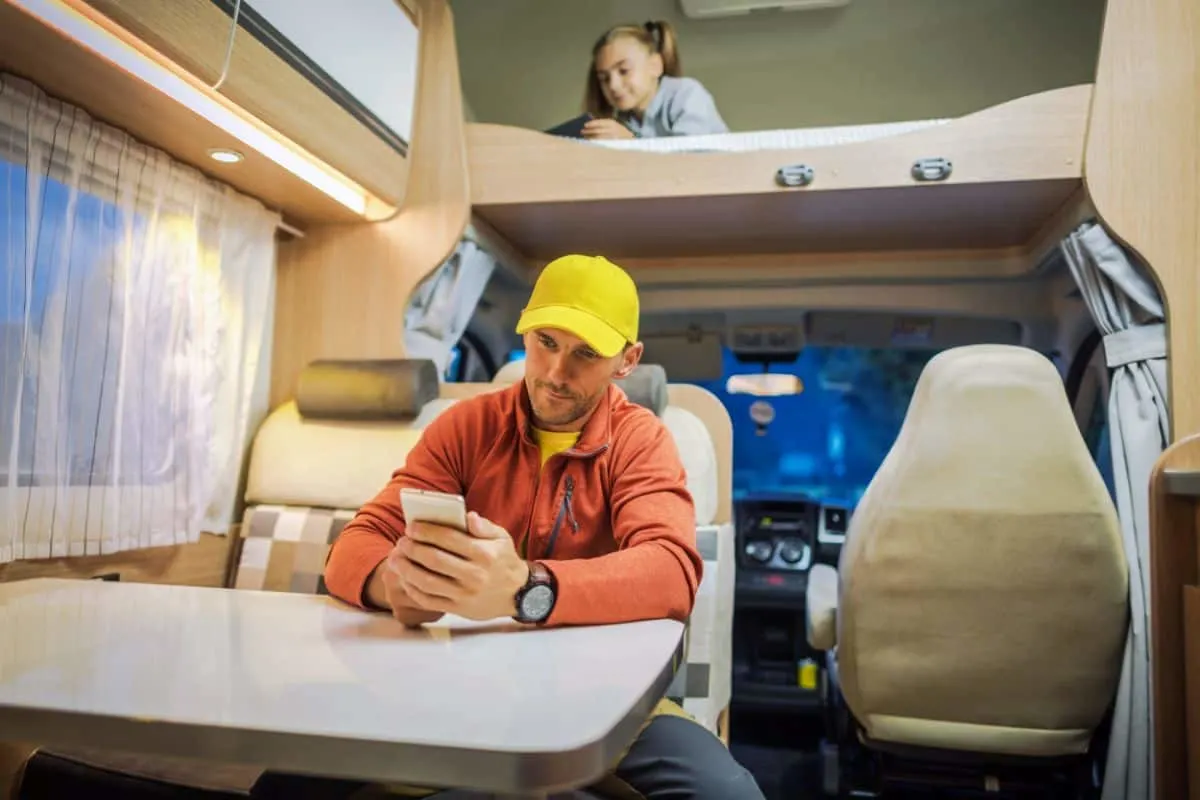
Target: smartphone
571 129
449 510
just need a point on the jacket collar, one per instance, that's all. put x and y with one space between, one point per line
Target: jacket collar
597 431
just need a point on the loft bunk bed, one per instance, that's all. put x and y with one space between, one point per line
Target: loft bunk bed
1006 180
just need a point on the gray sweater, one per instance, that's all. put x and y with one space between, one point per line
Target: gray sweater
681 107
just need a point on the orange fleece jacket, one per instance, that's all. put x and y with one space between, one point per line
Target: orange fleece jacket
611 518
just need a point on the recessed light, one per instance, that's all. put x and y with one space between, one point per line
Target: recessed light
225 156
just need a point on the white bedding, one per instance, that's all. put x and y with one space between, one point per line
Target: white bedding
768 140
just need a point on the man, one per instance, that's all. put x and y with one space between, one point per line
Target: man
579 512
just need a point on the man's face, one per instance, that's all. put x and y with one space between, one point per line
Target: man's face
566 378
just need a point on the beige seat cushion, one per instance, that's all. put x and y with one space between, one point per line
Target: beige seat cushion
983 582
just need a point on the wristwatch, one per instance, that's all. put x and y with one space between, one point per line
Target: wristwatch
535 600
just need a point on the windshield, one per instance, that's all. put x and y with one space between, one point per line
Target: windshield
826 442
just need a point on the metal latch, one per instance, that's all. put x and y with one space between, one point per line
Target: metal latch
794 175
931 169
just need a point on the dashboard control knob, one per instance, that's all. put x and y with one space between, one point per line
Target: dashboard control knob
792 550
760 550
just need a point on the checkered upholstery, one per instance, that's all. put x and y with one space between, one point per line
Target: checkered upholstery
284 547
702 684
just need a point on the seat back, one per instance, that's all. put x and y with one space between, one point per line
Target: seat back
983 585
316 459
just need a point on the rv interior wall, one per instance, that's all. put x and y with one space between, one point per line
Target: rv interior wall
1140 167
343 289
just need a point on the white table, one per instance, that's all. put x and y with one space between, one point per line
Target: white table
304 683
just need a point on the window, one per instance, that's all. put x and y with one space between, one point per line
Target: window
58 317
1096 435
827 441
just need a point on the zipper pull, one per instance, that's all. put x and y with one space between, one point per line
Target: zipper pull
567 502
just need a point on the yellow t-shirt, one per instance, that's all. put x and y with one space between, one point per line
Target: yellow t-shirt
551 442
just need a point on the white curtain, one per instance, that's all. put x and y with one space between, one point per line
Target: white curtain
441 307
1128 312
136 303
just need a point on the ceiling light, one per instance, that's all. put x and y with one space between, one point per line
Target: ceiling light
225 156
100 35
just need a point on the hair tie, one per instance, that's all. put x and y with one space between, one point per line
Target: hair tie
655 31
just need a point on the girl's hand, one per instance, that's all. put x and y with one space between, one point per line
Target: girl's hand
605 129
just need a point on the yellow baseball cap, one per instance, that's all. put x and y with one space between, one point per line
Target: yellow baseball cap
588 296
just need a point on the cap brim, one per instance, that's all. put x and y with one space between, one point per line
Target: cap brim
600 336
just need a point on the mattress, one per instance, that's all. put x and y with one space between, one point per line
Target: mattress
790 139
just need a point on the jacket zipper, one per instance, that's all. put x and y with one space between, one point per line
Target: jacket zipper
564 510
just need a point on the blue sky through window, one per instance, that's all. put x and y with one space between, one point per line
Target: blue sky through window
828 441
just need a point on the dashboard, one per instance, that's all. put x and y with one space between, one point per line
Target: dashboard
781 538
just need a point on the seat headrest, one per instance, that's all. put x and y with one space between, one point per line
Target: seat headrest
511 372
981 410
647 386
385 389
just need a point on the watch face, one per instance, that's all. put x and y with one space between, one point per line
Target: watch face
537 602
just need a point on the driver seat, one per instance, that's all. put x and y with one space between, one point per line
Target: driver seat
976 623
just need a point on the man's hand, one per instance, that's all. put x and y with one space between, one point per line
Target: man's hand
602 128
474 575
385 589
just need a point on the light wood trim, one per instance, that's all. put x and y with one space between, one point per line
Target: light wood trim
203 563
1141 167
410 8
1191 699
948 217
1174 564
68 72
195 34
886 265
549 196
342 290
503 250
1034 138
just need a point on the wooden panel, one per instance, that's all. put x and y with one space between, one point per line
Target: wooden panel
66 71
1034 138
195 34
1191 606
1174 527
741 270
952 216
1142 167
204 563
343 289
1015 165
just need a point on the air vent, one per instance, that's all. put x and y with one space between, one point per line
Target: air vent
715 9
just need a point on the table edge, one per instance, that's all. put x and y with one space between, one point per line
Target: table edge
346 757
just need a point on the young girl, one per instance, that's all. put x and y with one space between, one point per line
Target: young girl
635 88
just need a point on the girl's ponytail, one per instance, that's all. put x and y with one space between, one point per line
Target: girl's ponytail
662 34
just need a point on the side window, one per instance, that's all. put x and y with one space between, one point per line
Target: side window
454 368
469 362
1087 387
